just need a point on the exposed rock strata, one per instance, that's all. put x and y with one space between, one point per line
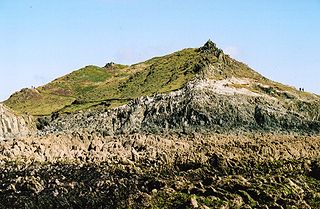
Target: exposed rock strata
199 107
12 125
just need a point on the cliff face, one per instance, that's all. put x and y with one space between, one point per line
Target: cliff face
12 125
203 106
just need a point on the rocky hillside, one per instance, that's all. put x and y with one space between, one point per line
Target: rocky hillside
200 89
193 129
203 106
12 125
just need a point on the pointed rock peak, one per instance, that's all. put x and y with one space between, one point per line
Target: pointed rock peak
211 47
209 44
109 64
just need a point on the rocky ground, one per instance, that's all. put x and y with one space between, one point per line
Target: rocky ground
161 171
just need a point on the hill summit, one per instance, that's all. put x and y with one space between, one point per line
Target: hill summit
210 47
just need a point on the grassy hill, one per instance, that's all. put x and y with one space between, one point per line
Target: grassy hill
112 85
115 84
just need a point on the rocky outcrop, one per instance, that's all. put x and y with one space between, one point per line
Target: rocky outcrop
203 106
166 149
12 125
152 171
211 48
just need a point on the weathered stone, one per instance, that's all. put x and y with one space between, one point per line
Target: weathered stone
198 107
12 125
193 202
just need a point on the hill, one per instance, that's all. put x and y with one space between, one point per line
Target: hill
114 84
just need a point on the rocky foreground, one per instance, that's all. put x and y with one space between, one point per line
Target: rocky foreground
168 171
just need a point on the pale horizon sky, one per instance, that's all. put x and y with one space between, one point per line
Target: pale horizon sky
43 40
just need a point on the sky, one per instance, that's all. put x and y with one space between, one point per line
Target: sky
42 40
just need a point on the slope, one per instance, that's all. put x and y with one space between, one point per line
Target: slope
115 84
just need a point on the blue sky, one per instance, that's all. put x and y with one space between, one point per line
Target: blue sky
41 40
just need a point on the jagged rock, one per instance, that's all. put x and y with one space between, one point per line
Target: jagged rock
109 64
29 184
210 47
202 106
193 202
220 170
12 125
315 169
135 155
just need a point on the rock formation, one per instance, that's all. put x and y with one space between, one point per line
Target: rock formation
202 106
12 125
